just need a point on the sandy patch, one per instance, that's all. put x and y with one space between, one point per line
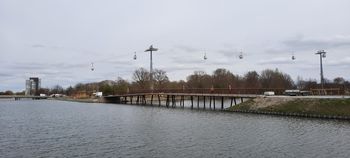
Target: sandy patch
263 102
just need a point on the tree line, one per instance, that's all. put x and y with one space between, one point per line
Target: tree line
219 79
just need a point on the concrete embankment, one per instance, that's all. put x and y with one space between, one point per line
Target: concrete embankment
87 100
335 108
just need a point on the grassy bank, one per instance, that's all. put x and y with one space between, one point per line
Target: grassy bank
331 107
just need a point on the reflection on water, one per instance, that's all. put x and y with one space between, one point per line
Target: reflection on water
198 103
65 129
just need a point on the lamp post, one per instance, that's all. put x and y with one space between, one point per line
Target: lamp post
151 49
322 54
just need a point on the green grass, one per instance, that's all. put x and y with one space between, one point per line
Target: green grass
243 106
315 106
339 107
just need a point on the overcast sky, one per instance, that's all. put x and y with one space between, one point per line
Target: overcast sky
57 40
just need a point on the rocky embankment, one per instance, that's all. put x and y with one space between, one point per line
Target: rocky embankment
297 106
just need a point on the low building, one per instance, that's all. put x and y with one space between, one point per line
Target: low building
80 95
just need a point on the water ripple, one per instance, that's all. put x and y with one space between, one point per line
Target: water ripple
65 129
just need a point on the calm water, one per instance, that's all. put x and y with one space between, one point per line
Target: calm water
65 129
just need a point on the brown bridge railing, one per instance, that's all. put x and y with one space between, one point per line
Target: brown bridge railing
206 91
256 91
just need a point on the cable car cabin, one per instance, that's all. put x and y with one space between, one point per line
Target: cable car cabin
240 56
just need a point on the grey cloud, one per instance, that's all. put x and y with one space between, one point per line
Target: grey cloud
180 67
63 48
220 63
38 46
6 75
27 66
119 62
345 62
300 65
38 66
48 46
50 73
213 60
185 48
182 60
302 43
276 61
69 65
276 50
228 53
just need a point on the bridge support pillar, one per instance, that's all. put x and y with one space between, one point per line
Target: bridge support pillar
152 99
204 102
209 102
158 100
144 100
214 102
191 102
173 99
183 101
222 103
198 102
167 101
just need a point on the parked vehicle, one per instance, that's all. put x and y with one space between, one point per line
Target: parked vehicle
296 92
269 93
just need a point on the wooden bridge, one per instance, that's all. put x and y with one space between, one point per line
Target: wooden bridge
19 97
204 98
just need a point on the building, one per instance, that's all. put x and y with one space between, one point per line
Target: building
33 86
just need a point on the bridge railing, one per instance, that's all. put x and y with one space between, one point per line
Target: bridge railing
328 91
209 91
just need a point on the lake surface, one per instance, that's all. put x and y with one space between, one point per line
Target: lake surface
46 128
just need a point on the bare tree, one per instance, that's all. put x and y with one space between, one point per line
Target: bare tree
57 89
160 78
121 86
142 78
251 80
222 78
199 79
339 80
275 79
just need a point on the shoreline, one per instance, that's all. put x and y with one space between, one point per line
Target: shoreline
317 107
304 115
89 100
279 106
